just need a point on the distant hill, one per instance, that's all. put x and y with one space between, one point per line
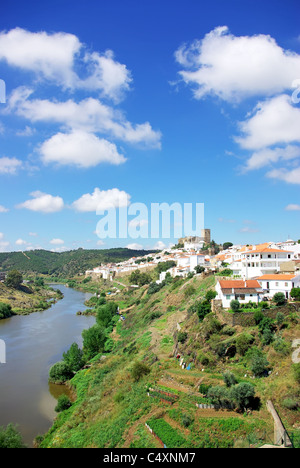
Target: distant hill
65 263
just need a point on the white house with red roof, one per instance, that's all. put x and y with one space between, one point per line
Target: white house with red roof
284 283
243 291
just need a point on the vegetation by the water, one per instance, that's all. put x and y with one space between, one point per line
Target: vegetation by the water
135 347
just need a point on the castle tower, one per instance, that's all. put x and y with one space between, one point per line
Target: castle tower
205 234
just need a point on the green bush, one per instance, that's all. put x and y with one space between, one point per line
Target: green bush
279 299
10 437
5 310
235 305
182 337
296 372
60 372
139 370
63 403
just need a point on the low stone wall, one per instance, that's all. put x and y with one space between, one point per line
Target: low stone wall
246 319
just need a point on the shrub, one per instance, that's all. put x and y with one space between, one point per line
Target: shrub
187 420
235 305
258 316
63 403
291 403
14 279
189 291
10 437
295 294
60 373
296 372
243 343
182 337
279 299
139 370
5 310
229 379
282 347
257 361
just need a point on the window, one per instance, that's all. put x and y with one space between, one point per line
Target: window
228 297
286 284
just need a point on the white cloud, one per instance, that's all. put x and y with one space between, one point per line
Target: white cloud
3 209
50 56
80 149
111 77
275 121
100 242
9 165
159 246
267 156
28 131
57 242
291 176
89 115
292 207
3 244
21 242
43 203
101 200
54 57
134 246
233 68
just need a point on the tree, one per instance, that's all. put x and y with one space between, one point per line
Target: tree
93 341
257 361
139 370
229 379
74 358
226 245
279 299
10 437
295 294
14 279
199 269
242 394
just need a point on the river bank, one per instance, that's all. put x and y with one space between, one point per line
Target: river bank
33 344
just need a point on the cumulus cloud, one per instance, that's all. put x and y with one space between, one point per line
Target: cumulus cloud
21 242
55 56
274 121
50 56
57 242
134 246
9 165
89 115
43 203
80 149
101 200
235 67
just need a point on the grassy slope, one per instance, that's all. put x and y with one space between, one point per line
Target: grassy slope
26 299
111 409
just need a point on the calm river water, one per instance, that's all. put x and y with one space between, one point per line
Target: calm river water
33 344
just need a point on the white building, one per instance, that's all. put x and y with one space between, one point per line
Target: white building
243 291
272 284
260 261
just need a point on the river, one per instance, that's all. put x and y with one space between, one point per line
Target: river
33 344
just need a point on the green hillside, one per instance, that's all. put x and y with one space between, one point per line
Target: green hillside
65 263
133 377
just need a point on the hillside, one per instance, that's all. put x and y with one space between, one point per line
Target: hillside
27 299
113 403
65 263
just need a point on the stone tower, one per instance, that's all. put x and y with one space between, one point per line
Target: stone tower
205 234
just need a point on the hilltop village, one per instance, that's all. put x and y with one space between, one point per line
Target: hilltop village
248 272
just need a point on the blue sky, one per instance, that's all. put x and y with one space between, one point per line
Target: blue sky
144 102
